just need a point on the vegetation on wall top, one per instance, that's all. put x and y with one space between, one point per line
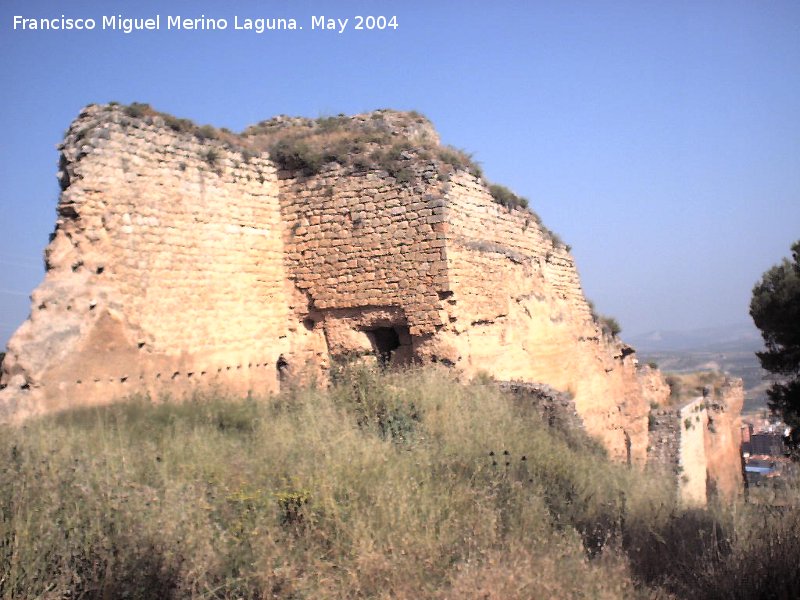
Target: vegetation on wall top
402 144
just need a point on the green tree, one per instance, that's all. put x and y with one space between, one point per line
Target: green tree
775 308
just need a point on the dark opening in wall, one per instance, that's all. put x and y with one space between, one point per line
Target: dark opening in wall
627 448
385 340
282 367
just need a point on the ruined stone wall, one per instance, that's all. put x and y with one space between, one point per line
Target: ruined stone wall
555 408
723 440
655 389
165 271
677 449
517 310
364 251
183 261
663 451
693 479
697 443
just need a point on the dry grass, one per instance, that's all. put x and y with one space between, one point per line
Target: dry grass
381 487
688 386
305 146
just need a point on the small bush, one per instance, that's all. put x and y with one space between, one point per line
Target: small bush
505 197
211 156
139 109
292 505
248 155
297 155
459 160
609 325
388 415
207 132
179 125
396 161
328 124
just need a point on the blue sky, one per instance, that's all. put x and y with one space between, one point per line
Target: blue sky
660 139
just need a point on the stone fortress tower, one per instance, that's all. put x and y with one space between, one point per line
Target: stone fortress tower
185 257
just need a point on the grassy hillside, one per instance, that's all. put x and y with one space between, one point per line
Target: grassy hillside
397 485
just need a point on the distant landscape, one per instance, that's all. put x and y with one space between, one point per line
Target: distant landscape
730 349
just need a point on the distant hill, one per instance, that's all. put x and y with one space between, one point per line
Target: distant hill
728 349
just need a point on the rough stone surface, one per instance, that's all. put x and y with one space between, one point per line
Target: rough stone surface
697 443
179 263
723 440
556 409
165 272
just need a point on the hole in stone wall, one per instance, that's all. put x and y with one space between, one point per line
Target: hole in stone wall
627 448
309 323
282 366
384 340
100 270
444 361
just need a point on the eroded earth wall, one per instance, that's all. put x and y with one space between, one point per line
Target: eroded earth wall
723 439
517 310
697 443
165 271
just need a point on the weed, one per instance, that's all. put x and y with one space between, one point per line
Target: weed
505 197
179 125
138 110
207 132
211 156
